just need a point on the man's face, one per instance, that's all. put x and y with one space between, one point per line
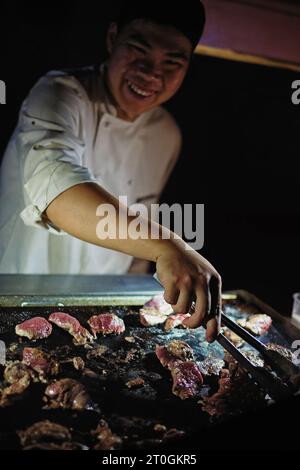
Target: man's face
147 65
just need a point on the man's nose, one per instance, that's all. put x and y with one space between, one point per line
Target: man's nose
149 70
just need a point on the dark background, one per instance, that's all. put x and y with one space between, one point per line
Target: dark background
240 129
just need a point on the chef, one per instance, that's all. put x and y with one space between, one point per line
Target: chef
86 137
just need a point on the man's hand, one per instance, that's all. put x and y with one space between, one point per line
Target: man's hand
186 277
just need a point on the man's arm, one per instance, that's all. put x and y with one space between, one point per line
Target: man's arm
184 274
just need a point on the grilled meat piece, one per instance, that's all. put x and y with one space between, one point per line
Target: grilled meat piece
97 351
173 351
54 446
211 366
155 311
71 325
68 393
41 362
34 328
134 383
106 323
180 349
177 357
237 392
44 431
281 349
187 379
105 437
78 363
233 337
19 376
175 320
256 324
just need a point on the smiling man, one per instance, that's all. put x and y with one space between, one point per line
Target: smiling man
88 136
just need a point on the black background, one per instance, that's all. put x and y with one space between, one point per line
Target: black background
240 129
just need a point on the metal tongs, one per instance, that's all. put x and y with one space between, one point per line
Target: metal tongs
279 379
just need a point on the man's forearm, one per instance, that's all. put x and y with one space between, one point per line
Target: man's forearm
74 211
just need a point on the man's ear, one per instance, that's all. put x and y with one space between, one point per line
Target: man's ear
111 36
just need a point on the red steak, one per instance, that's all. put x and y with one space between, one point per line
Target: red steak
34 328
106 323
187 379
71 325
256 324
177 356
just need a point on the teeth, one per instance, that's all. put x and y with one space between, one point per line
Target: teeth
138 90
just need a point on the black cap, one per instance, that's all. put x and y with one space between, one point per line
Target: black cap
187 17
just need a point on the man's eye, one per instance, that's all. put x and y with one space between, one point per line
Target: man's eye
174 63
137 48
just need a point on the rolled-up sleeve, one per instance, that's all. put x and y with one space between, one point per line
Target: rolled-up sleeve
50 143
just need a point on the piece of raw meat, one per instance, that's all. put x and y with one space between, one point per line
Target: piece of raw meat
155 311
71 325
256 324
177 356
187 379
106 323
34 328
175 320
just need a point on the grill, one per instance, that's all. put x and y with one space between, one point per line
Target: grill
133 413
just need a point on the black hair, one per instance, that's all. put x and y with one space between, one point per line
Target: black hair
187 17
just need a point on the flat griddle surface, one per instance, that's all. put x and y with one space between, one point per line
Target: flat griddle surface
131 413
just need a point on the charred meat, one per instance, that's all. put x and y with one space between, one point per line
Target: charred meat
256 324
173 351
44 431
211 366
19 377
236 340
106 323
68 393
41 362
78 363
281 349
71 325
180 350
106 440
34 328
237 392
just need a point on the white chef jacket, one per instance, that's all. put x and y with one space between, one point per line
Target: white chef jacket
68 133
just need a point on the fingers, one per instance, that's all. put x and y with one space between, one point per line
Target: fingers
201 307
212 330
171 294
184 302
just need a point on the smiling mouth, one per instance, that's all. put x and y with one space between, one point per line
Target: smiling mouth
139 91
